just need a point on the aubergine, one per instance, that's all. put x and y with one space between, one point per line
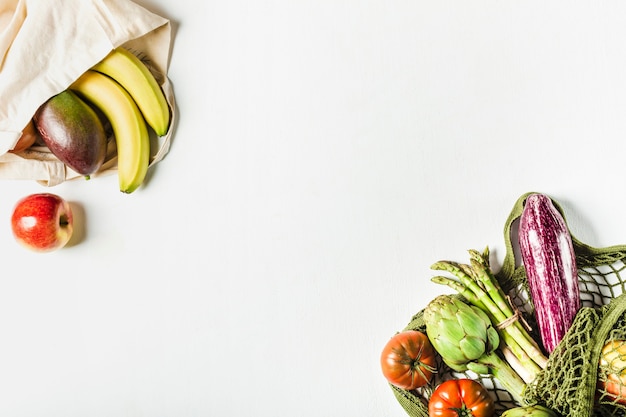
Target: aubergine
73 132
547 254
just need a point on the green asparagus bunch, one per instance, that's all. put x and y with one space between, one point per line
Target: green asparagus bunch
478 285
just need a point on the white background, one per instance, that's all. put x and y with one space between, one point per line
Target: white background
327 153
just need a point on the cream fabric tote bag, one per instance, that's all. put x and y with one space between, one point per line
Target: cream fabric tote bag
45 46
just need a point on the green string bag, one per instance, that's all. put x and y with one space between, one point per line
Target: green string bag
572 384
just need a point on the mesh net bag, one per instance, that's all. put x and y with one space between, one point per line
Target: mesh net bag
583 374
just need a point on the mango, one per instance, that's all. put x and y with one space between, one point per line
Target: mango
73 132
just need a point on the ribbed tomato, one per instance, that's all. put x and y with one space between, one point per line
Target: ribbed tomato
461 398
408 360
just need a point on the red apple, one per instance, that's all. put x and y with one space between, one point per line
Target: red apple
42 222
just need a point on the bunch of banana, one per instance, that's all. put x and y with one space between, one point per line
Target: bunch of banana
127 93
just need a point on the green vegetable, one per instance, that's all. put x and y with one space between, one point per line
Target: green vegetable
478 285
529 411
466 340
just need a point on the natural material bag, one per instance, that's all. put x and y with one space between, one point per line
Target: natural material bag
569 383
45 46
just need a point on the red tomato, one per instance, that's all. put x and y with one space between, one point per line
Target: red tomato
408 360
459 398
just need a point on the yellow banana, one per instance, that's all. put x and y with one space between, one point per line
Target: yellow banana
132 74
129 127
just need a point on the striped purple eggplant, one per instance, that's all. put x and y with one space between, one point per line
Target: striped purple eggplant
548 256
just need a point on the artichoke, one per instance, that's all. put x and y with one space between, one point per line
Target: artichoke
461 333
467 340
529 411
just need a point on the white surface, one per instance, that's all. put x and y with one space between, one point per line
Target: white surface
327 153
